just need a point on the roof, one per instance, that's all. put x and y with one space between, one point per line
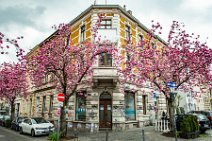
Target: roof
118 7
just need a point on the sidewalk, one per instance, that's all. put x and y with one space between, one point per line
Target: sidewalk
134 135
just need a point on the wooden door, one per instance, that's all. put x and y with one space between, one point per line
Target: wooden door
105 113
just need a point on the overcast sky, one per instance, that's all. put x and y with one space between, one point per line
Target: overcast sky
33 19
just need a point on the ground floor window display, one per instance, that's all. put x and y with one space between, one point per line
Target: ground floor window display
129 105
81 106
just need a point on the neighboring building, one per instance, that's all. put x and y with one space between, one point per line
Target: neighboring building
101 102
4 107
197 99
187 101
204 100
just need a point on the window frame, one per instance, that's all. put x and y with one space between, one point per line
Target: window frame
44 104
106 58
128 32
107 23
51 100
130 93
77 106
140 39
82 33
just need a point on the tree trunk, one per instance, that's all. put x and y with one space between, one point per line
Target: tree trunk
171 110
12 112
63 124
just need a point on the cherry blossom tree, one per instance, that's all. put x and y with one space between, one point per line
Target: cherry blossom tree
13 83
6 43
183 59
70 65
12 75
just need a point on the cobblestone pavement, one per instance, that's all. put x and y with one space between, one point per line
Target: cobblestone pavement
134 135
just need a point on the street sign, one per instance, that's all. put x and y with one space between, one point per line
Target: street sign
61 97
171 85
60 104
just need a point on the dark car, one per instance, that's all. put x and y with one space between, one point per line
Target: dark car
4 119
16 122
208 114
204 123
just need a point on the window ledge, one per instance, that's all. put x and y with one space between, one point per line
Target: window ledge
133 121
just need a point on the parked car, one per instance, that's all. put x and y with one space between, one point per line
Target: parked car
36 126
204 123
208 114
16 122
3 120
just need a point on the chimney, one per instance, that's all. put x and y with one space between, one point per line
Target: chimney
130 12
124 7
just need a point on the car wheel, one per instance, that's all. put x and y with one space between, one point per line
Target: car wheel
33 133
21 130
17 128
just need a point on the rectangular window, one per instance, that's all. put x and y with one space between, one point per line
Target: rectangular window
106 24
44 104
127 33
82 33
153 45
144 101
81 106
140 40
37 104
105 59
129 105
51 103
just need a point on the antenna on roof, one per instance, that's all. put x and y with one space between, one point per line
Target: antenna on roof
94 2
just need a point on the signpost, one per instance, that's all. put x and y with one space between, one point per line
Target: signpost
60 98
172 86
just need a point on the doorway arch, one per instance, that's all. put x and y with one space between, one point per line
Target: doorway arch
105 110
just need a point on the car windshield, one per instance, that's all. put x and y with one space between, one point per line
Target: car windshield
20 119
6 117
201 117
39 120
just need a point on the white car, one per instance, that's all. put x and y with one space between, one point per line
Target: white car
36 126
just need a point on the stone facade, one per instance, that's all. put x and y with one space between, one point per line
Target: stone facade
102 103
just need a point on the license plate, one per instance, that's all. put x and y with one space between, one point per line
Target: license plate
205 125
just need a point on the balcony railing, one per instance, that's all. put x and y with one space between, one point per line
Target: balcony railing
108 34
104 72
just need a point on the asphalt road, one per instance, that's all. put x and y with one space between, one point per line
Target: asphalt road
10 135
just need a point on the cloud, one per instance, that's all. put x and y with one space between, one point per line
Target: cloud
19 14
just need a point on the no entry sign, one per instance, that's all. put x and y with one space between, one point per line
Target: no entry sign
61 97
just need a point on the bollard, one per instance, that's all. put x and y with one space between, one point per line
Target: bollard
106 134
143 134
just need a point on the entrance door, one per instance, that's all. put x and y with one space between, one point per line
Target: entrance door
105 111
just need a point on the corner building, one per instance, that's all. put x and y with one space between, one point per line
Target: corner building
101 102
